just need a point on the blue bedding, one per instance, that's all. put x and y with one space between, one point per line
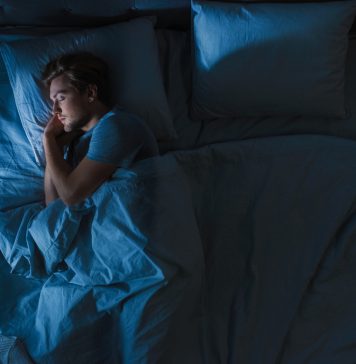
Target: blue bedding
21 181
277 221
176 61
206 256
122 298
225 252
113 269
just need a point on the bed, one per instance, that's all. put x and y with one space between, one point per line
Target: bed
237 243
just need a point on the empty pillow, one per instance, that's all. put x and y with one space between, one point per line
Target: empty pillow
264 59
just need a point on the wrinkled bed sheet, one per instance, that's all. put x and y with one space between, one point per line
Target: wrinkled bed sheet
108 274
236 252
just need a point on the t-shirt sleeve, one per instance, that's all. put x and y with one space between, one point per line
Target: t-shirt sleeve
115 141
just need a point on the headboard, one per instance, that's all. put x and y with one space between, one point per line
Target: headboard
85 13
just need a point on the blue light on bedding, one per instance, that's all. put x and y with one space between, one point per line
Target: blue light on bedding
193 134
194 257
114 269
21 180
263 59
275 219
130 51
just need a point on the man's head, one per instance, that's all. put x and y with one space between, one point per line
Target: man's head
78 87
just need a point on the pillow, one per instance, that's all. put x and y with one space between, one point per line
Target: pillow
131 51
263 59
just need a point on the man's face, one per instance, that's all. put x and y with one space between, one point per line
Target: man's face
70 105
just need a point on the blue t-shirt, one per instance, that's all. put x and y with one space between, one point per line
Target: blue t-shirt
119 138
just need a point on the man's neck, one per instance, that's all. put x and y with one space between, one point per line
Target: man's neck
100 111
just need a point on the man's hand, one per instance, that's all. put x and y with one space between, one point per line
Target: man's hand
71 186
53 131
54 128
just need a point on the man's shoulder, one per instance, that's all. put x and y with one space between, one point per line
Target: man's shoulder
114 126
119 121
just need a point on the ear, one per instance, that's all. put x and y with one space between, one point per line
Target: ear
92 91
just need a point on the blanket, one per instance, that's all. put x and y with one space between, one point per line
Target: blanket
234 252
109 273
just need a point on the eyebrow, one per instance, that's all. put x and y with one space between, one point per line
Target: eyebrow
58 92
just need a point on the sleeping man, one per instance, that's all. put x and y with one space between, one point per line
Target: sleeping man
100 137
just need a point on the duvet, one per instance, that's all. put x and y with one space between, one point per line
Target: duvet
105 277
238 252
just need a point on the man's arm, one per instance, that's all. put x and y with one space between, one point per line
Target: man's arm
51 193
73 186
50 190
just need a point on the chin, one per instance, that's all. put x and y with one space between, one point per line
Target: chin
72 125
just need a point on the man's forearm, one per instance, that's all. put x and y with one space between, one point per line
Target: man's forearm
50 190
57 168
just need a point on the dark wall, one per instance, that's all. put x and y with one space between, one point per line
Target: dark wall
171 13
90 12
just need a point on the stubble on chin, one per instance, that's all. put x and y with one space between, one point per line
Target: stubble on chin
74 125
70 126
67 128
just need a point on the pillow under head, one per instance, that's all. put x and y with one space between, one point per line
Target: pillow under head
264 59
131 52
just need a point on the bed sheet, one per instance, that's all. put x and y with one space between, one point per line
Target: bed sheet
255 239
176 65
277 222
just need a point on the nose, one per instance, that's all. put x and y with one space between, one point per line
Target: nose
56 109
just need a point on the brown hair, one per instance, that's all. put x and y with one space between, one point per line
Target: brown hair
82 69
